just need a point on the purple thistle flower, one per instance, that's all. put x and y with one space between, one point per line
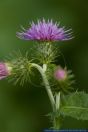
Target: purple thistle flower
45 31
60 74
4 72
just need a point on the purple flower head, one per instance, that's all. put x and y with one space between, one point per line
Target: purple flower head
60 74
4 72
45 31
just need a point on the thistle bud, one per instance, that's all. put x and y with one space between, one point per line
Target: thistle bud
60 74
5 70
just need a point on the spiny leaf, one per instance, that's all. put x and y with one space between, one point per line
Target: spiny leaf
75 105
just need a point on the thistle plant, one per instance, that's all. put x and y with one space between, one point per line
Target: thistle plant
57 80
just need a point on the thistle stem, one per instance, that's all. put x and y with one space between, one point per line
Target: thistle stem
54 103
46 83
57 101
57 120
57 123
44 67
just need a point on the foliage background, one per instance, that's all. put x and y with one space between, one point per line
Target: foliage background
23 109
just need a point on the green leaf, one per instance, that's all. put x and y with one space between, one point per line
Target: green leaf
75 105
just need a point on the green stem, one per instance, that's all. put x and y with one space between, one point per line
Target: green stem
58 101
57 123
57 120
46 83
55 104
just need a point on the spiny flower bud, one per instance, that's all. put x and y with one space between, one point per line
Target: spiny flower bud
65 79
60 74
5 70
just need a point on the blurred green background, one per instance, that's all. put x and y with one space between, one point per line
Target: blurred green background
23 109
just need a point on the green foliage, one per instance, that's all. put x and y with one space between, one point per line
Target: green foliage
75 105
